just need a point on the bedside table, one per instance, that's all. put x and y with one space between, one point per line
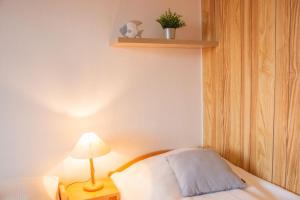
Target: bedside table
76 192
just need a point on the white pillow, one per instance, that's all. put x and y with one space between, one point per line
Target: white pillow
150 179
37 188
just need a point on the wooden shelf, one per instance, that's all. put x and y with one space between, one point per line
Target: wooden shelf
162 43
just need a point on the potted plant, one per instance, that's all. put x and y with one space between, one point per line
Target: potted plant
170 21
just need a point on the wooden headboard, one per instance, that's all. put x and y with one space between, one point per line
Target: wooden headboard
143 157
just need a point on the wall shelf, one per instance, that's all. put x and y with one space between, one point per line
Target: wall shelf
162 43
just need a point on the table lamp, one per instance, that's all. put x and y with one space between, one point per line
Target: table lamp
90 146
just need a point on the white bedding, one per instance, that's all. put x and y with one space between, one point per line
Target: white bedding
151 179
257 189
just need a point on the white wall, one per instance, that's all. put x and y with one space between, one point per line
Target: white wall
59 78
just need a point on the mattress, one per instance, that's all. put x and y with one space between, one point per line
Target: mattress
257 189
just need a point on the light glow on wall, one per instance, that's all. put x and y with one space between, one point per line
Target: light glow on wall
50 184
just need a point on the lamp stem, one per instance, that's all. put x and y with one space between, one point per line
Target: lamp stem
93 185
92 171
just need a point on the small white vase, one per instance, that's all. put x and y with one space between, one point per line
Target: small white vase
170 33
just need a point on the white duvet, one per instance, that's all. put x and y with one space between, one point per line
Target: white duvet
152 179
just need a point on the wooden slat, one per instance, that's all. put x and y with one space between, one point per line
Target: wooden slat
293 143
246 83
209 99
218 59
263 57
208 77
226 82
214 79
208 20
281 91
232 67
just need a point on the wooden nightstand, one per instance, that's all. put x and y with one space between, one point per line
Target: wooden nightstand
76 192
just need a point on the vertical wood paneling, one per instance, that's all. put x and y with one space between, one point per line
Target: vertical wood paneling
208 20
208 75
281 91
263 65
219 74
232 69
246 83
293 143
252 87
213 79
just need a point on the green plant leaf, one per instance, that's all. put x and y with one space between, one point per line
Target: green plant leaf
171 20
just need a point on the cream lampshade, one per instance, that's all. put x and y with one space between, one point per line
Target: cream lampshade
90 146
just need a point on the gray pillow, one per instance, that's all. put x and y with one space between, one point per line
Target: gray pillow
202 171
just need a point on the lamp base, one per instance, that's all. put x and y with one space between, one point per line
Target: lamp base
90 187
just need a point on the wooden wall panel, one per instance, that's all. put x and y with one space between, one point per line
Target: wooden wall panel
252 86
219 74
263 73
232 81
246 14
281 91
213 77
208 14
293 142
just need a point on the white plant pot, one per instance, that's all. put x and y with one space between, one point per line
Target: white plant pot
170 33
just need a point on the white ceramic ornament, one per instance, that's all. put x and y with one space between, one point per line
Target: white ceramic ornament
131 29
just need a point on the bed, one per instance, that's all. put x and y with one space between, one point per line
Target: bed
135 185
257 189
148 177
